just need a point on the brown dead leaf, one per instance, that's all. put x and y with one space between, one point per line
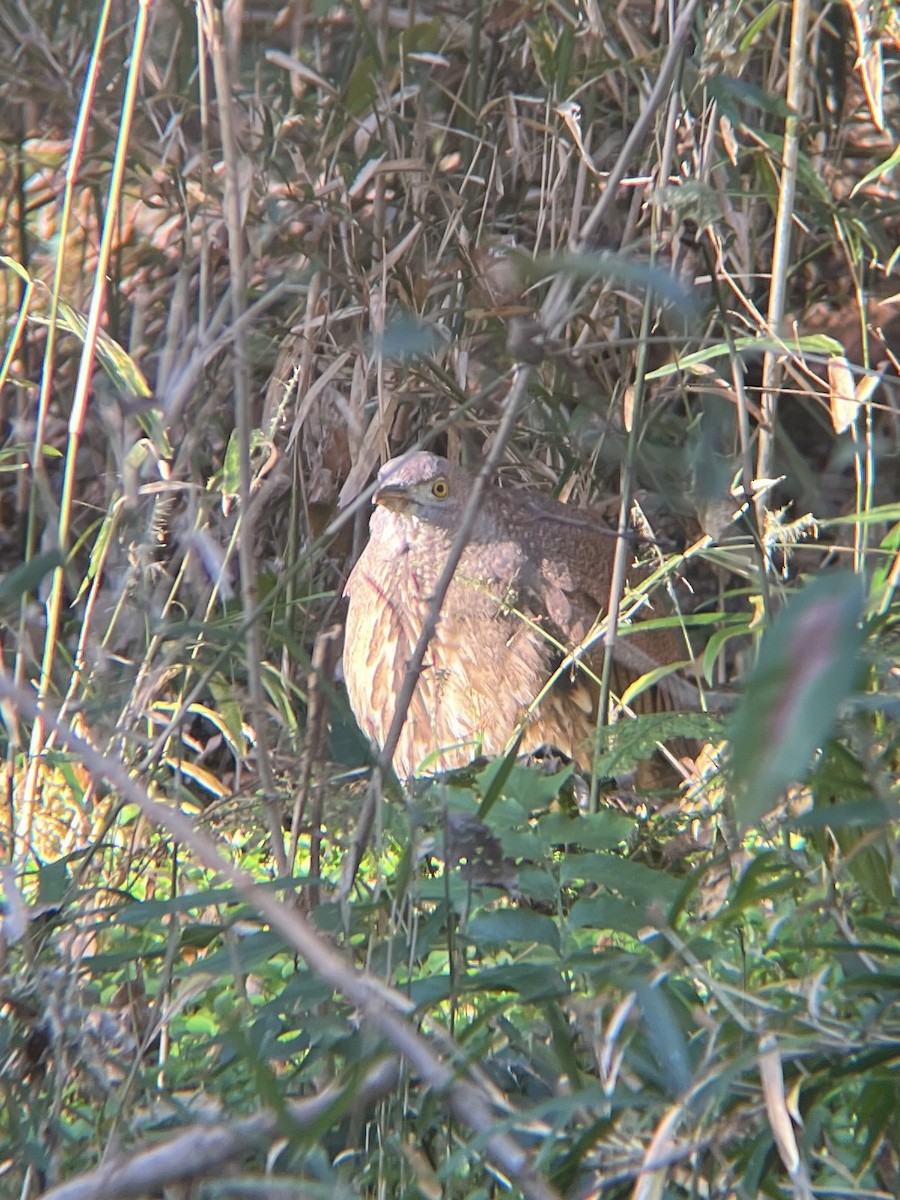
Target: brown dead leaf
842 393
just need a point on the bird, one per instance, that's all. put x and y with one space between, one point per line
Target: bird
507 657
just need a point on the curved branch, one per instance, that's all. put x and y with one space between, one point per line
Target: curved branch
199 1150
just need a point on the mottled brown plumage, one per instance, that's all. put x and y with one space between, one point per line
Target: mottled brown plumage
529 587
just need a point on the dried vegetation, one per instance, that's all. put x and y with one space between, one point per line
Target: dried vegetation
638 253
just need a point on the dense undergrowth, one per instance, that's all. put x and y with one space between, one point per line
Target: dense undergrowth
246 258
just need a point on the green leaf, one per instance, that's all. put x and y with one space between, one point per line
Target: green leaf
562 1037
716 643
847 814
529 980
505 925
606 264
872 871
769 14
151 420
634 740
846 810
884 577
892 161
539 884
730 93
227 716
872 516
529 787
54 882
810 184
808 666
115 361
243 953
100 548
26 576
634 881
494 778
766 878
231 467
604 913
148 912
815 343
665 1036
17 268
604 830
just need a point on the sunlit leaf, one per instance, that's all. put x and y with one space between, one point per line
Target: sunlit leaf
842 397
815 343
116 362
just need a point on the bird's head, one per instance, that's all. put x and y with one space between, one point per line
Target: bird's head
422 485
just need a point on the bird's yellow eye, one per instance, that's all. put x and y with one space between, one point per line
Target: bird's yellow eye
440 489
